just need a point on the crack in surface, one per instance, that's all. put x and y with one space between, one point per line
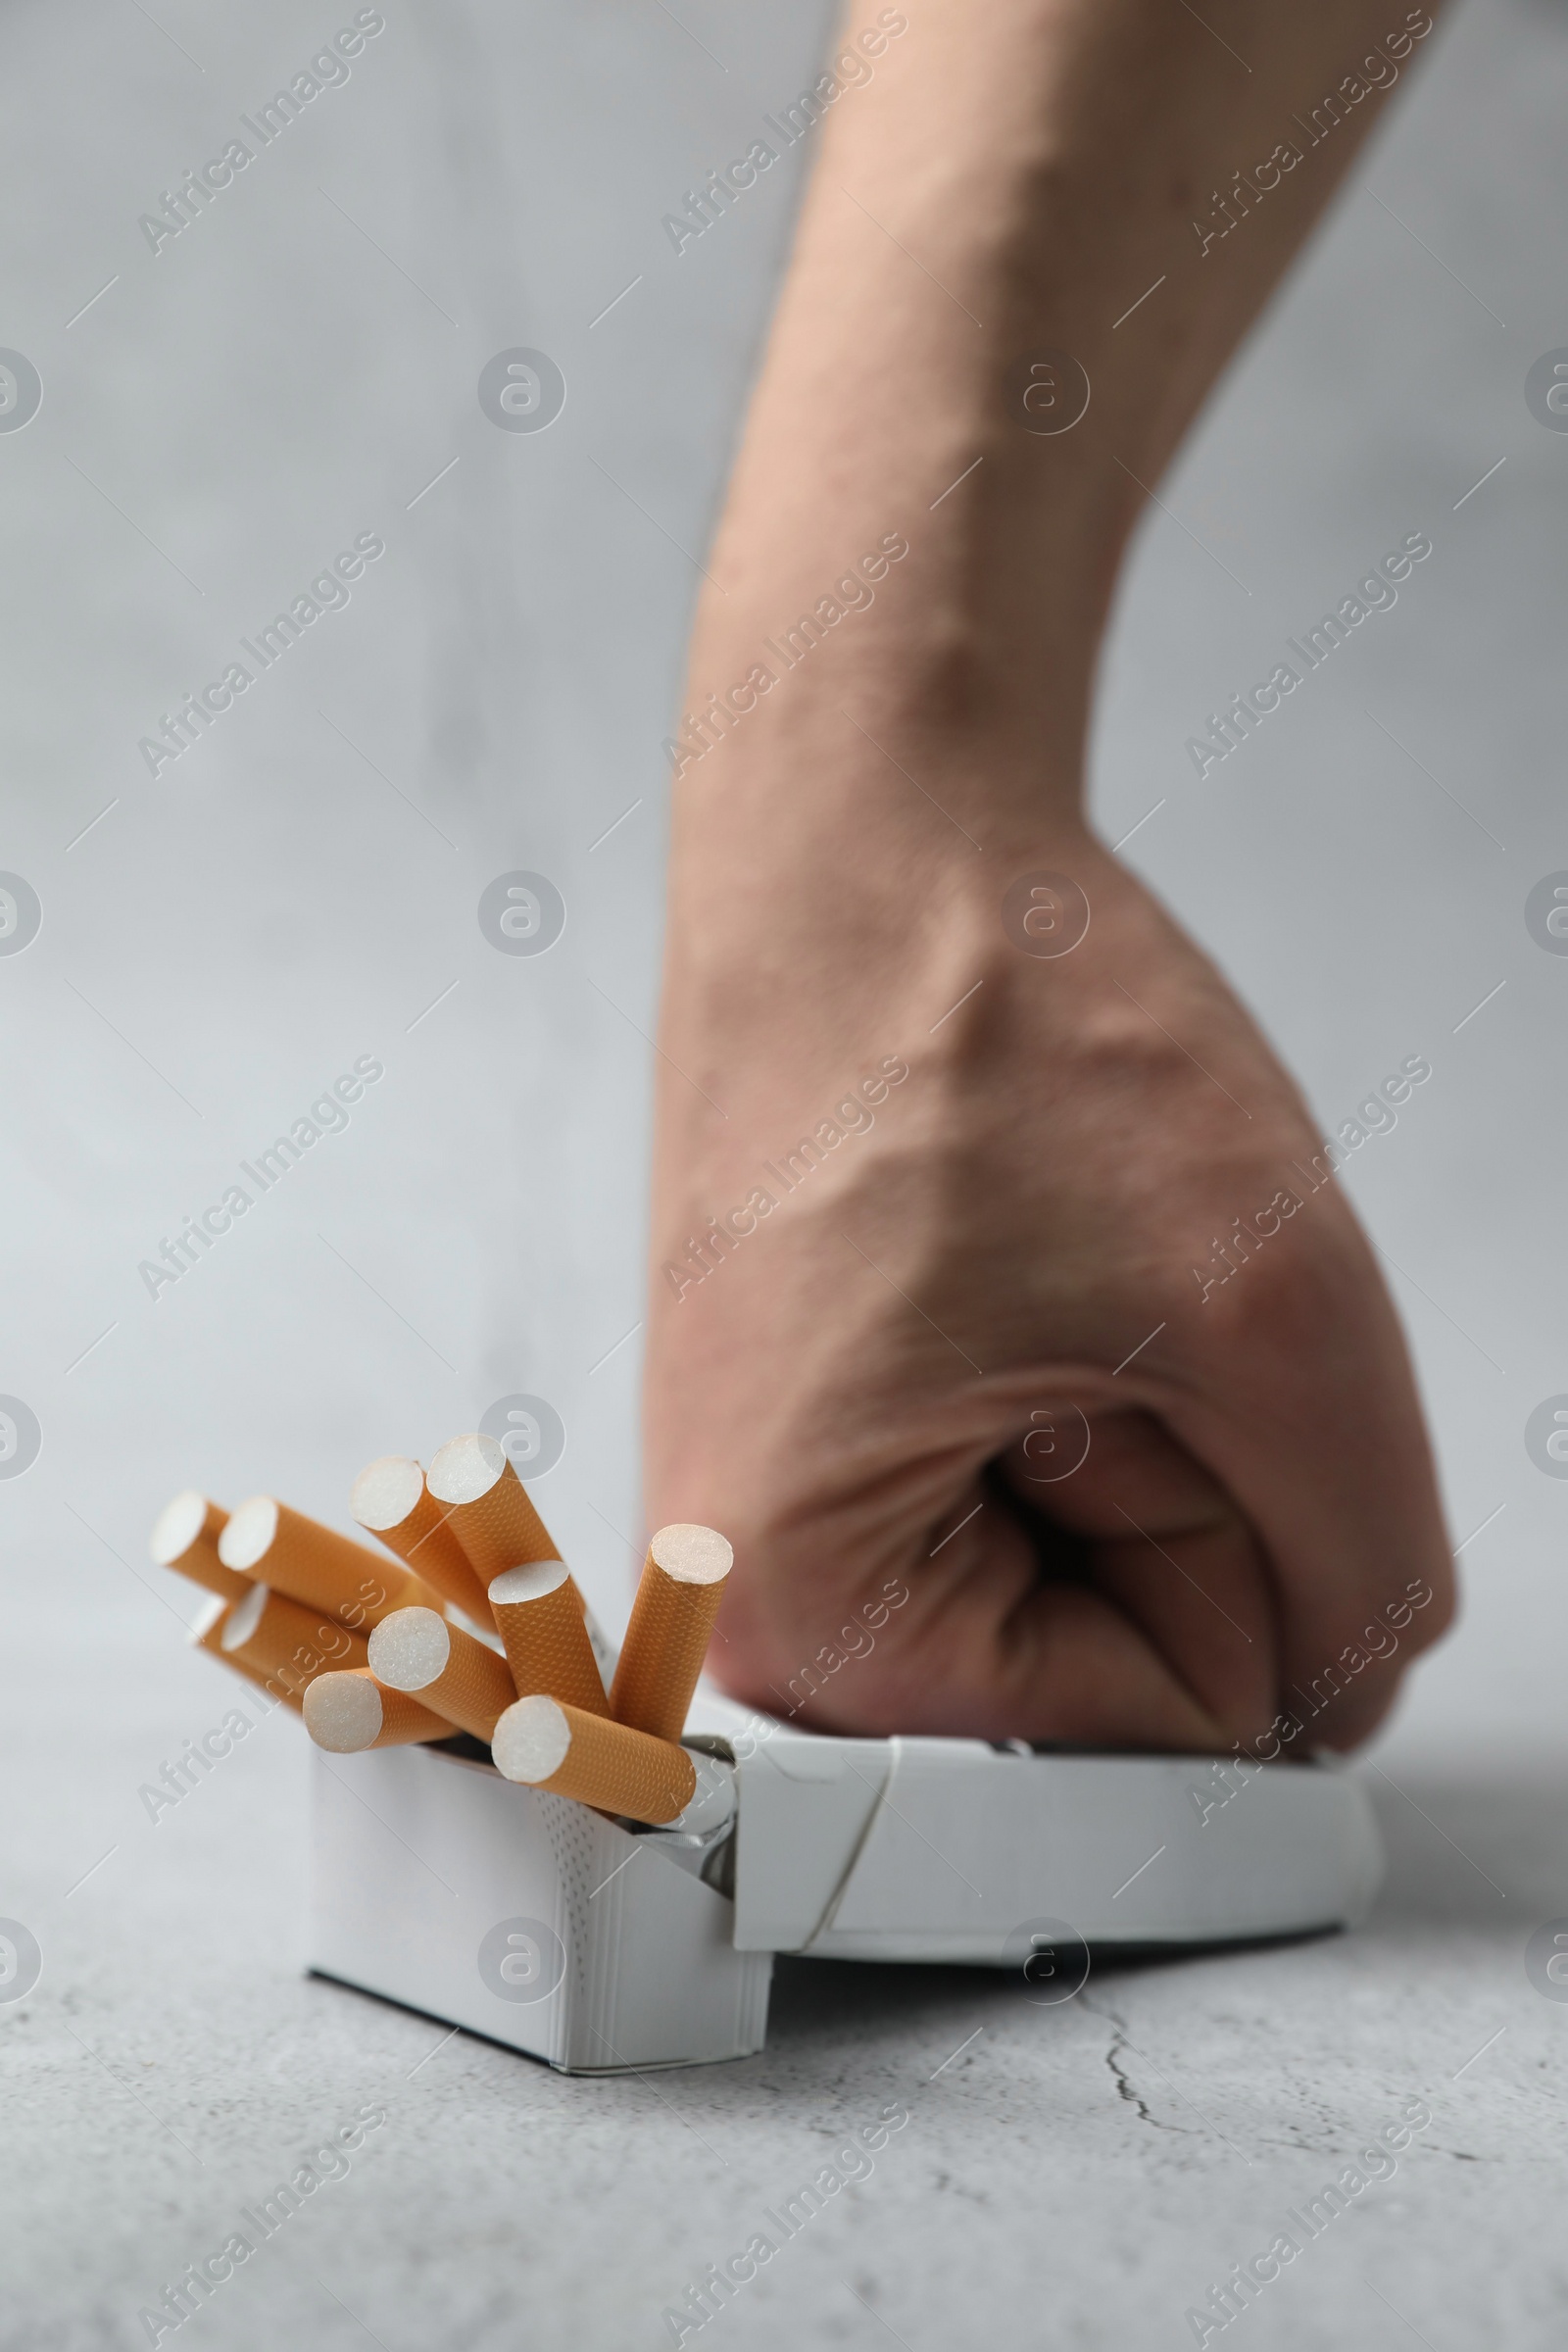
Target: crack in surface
1125 2087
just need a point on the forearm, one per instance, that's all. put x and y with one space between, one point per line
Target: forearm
1011 179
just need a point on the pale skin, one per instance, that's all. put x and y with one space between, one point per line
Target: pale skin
880 1378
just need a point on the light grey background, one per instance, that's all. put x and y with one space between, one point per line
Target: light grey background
301 888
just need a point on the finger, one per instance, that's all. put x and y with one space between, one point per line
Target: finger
981 1646
1173 1552
1303 1407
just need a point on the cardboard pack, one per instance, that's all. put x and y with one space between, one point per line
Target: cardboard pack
600 1947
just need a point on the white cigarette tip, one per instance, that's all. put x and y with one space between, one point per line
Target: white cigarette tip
386 1492
530 1582
343 1713
244 1618
248 1533
531 1740
410 1650
466 1468
177 1525
206 1618
692 1554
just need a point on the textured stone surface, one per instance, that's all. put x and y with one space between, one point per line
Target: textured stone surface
1079 2175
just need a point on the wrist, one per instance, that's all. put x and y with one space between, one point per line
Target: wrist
881 657
820 902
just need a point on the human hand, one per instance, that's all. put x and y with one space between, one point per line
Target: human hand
1008 1263
851 1390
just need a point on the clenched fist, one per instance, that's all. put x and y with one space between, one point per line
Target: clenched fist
1005 1281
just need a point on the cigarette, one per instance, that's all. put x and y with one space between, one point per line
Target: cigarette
206 1634
185 1537
537 1608
672 1621
315 1566
539 1611
350 1712
414 1650
272 1641
392 1501
488 1506
600 1763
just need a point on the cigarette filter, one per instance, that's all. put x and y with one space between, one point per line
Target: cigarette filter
539 1611
672 1621
275 1642
351 1711
185 1537
414 1650
316 1567
537 1608
600 1763
489 1507
392 1501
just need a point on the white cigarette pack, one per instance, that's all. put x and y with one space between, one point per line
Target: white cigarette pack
600 1947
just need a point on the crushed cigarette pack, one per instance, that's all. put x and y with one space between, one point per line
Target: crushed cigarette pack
601 1946
522 1833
